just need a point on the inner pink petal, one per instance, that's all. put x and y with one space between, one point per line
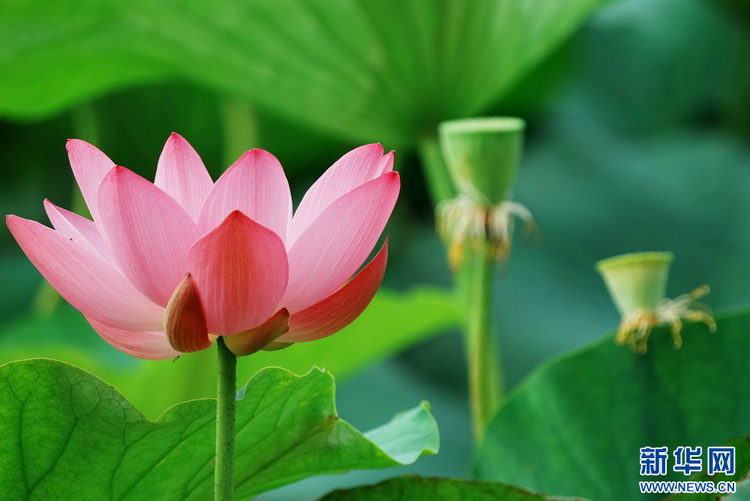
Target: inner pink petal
336 244
88 282
147 231
79 229
183 176
256 186
357 167
89 166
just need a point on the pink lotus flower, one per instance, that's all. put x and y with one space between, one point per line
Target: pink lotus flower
164 268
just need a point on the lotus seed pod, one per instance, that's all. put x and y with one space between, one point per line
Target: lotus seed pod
482 155
636 280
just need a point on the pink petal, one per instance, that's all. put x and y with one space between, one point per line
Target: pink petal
89 168
354 169
255 185
386 163
148 233
241 271
336 244
146 345
253 340
274 346
340 308
183 176
80 229
85 279
185 321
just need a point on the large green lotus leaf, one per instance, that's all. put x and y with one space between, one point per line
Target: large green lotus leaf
363 69
392 322
415 488
576 425
68 435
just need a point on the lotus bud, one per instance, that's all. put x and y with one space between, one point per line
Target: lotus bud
638 284
482 155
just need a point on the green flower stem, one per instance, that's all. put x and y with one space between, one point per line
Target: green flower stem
485 377
438 181
225 410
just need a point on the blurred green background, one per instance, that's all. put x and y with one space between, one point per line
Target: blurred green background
638 118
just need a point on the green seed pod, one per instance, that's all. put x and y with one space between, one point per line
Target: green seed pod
482 155
636 280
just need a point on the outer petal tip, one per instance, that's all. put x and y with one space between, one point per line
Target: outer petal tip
235 219
11 221
73 144
17 223
184 320
48 206
90 165
259 154
235 216
387 162
182 175
116 173
394 178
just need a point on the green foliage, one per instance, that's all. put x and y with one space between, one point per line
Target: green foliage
742 466
596 194
576 425
413 488
742 493
687 75
392 322
68 435
671 181
364 70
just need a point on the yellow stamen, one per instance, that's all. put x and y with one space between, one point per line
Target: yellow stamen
461 221
636 325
